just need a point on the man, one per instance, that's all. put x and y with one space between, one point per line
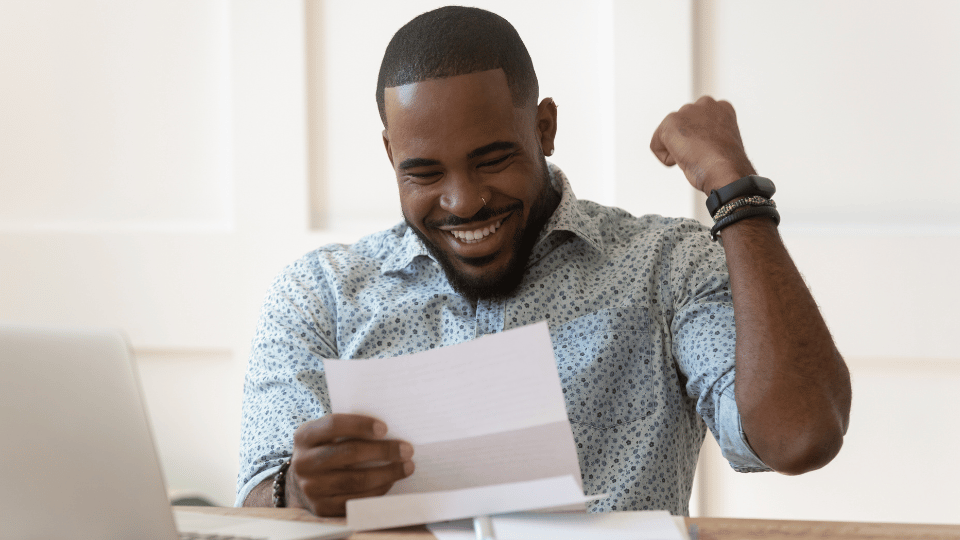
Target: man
640 310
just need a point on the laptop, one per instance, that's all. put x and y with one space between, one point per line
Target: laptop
77 458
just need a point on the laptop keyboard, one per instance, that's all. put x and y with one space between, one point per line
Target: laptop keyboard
209 526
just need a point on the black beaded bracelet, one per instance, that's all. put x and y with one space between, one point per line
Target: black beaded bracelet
280 485
730 207
753 211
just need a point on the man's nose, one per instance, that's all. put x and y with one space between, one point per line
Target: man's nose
463 195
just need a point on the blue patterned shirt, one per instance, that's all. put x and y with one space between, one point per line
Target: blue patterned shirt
640 316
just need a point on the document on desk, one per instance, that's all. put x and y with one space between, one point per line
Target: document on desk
487 421
636 525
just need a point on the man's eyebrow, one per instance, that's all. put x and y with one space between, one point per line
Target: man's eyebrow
492 147
412 163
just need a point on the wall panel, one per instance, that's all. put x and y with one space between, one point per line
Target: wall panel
849 107
114 117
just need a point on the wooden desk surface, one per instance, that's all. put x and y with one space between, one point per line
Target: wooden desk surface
708 528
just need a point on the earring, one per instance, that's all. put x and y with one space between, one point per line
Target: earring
484 201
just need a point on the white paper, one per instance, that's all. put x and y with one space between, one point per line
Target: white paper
492 459
489 412
499 382
416 508
651 525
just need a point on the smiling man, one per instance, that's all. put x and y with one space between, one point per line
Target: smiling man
660 334
474 184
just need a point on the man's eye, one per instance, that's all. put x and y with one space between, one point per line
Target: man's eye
495 162
424 177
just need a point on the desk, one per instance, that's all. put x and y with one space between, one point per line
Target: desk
709 528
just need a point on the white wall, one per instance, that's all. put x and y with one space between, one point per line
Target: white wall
851 108
160 162
614 68
152 178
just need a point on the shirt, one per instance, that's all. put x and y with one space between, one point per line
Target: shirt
640 317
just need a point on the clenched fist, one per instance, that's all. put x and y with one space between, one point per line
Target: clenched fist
703 139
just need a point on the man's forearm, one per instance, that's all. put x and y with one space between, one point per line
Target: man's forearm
793 388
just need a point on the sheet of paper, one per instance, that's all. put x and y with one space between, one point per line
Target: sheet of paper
499 382
492 459
489 412
416 508
655 525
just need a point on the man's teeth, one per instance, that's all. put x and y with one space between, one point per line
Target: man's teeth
472 236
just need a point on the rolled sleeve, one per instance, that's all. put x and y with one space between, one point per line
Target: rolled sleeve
246 488
731 438
705 345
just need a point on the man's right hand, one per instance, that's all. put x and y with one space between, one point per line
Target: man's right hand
340 457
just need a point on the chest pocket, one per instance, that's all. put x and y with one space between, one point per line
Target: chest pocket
612 366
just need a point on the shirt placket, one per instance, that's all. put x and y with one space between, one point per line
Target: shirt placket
490 317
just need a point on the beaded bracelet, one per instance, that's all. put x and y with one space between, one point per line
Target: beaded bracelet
280 485
753 211
755 200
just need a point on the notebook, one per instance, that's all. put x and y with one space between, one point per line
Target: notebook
77 458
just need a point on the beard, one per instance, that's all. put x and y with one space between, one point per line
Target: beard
503 283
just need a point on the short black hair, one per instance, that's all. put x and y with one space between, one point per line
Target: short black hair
456 40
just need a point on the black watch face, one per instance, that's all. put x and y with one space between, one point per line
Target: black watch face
764 186
751 185
746 186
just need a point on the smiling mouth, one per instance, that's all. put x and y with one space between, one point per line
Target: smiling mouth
472 237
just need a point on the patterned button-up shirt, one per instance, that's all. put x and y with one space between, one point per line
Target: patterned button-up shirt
640 316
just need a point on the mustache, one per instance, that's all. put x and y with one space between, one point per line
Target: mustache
483 214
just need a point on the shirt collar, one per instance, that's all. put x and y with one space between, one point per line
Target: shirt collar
409 248
569 216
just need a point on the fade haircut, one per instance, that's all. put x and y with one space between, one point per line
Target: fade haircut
455 40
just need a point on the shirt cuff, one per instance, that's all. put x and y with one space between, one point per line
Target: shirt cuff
252 483
733 441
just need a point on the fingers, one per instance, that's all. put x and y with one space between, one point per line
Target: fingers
723 104
342 456
325 493
658 147
351 453
337 505
333 427
354 482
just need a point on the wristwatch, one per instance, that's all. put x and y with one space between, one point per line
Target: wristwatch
744 187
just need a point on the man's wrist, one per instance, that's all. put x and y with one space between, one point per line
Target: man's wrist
260 495
720 179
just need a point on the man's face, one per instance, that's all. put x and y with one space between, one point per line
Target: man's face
472 178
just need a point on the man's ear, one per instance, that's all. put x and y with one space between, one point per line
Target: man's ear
386 146
547 125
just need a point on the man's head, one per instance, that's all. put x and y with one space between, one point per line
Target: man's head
457 40
463 131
